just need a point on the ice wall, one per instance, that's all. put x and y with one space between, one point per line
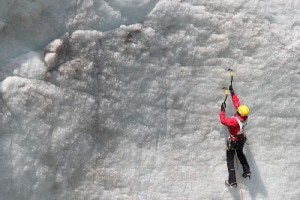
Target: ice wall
29 25
131 112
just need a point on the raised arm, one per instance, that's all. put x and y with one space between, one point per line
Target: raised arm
227 121
234 97
235 101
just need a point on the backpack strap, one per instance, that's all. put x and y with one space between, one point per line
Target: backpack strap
242 126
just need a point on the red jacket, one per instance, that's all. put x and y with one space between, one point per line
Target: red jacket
232 123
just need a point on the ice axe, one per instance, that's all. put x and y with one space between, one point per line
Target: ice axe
226 94
231 75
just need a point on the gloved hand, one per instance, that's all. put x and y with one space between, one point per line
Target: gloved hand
231 90
223 106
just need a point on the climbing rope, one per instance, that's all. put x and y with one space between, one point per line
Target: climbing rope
238 177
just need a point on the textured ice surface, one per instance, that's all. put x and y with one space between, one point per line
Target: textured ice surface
29 25
120 99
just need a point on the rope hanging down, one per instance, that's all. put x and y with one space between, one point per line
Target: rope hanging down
238 177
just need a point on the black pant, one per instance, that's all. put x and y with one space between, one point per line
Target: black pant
230 159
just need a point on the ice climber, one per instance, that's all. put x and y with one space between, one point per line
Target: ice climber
237 138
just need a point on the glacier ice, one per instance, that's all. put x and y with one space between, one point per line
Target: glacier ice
120 99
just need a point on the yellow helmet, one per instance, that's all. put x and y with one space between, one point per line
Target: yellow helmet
243 110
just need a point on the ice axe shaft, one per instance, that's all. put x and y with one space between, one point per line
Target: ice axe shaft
231 75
